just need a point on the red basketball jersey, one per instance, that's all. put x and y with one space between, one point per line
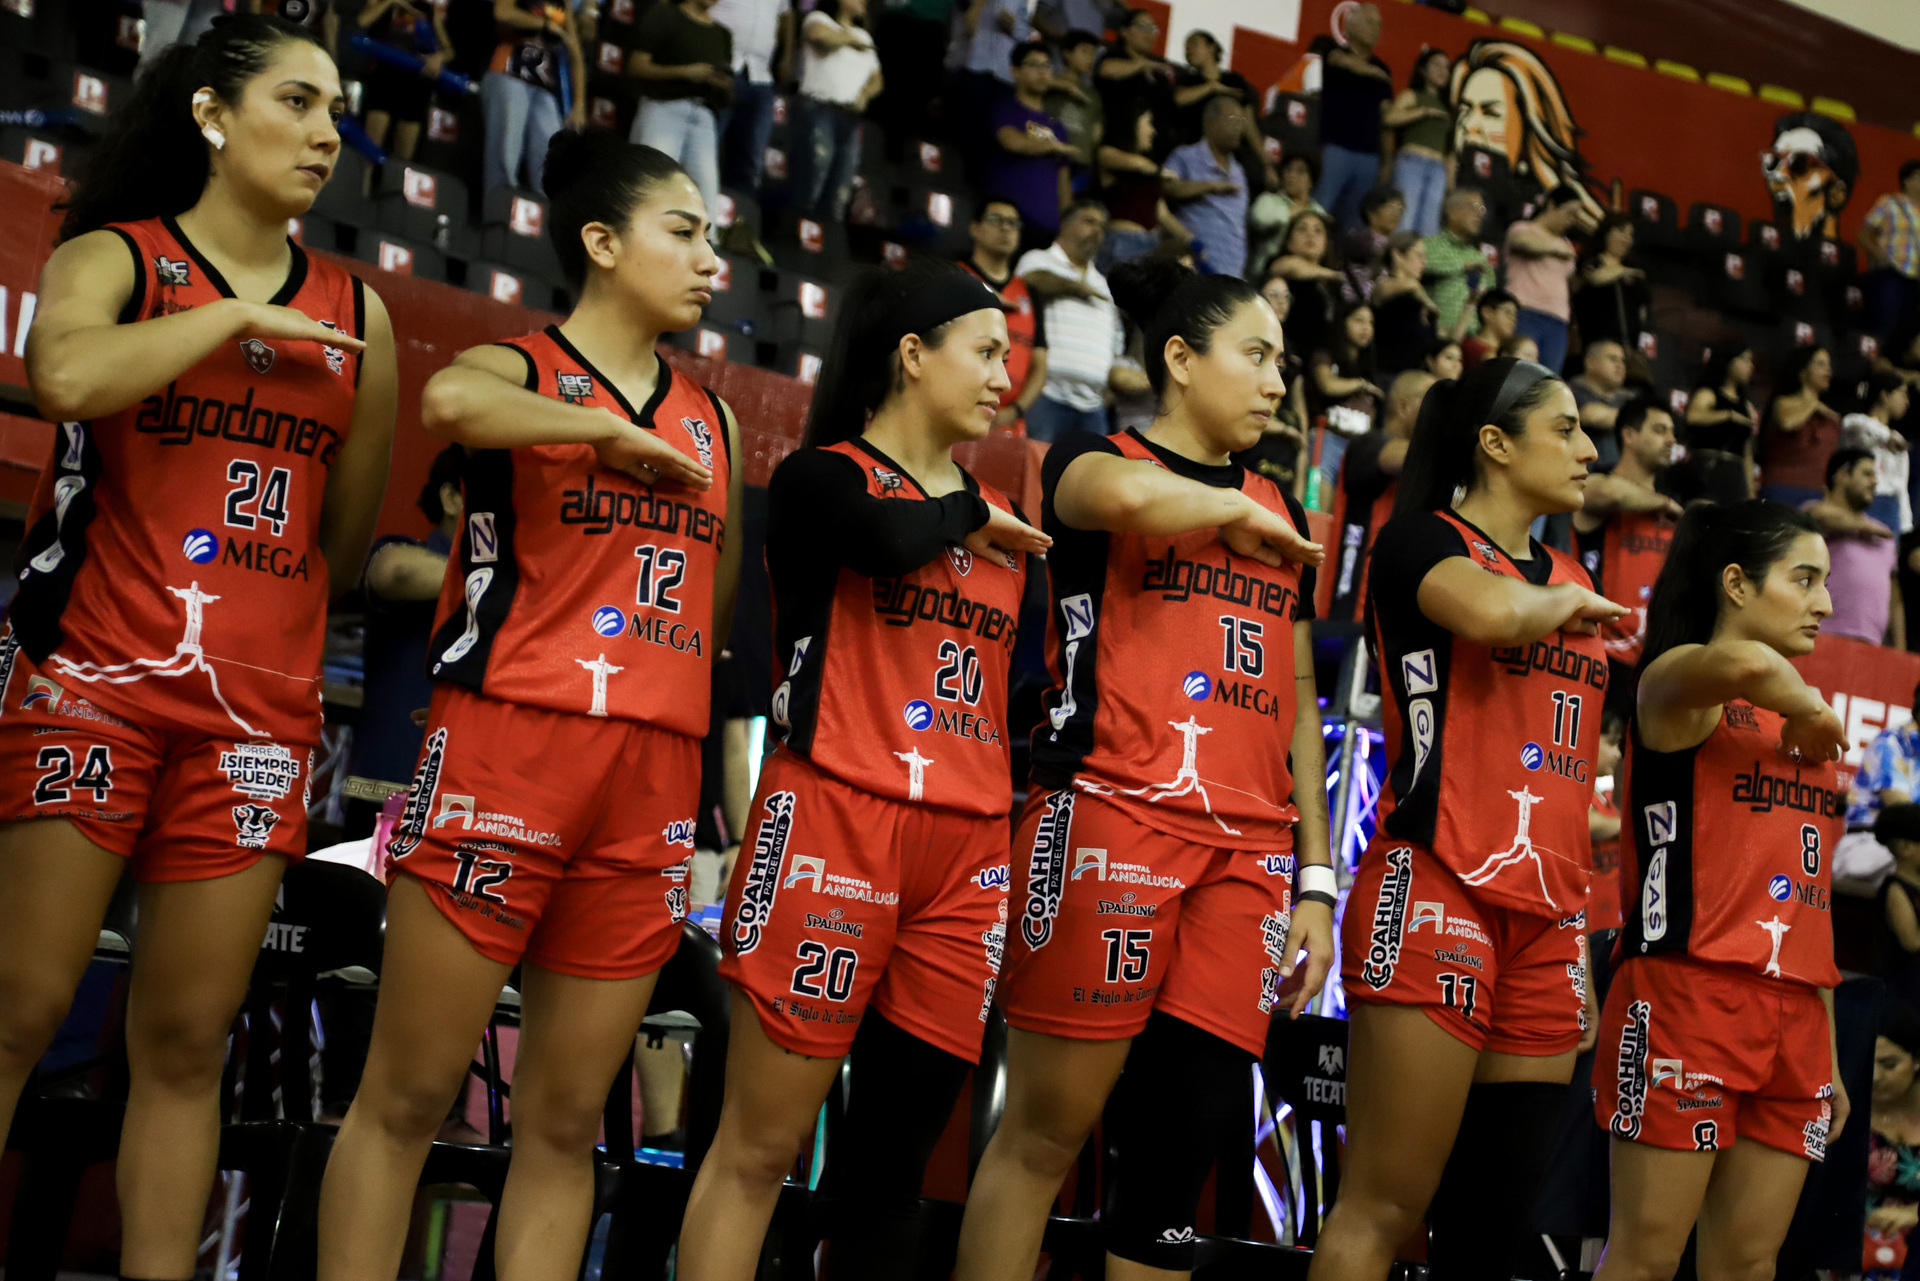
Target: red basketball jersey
171 571
577 588
1490 751
899 685
1727 850
1172 662
1623 557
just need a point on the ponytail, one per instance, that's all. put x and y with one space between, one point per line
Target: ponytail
1167 300
1445 449
1685 605
153 161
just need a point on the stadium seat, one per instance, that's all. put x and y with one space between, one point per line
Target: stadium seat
504 282
1765 242
35 149
937 161
812 246
737 206
454 137
1712 229
712 341
343 199
91 94
422 203
738 303
401 256
1295 120
1740 285
513 230
612 105
1656 220
932 215
315 231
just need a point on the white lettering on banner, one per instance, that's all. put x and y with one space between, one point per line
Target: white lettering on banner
1869 687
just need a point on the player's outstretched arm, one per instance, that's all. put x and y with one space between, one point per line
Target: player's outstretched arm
1100 491
1492 609
1681 693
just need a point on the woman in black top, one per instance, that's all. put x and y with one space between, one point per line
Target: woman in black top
1610 299
1721 421
1403 311
1308 264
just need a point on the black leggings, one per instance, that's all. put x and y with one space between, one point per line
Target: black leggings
902 1092
1484 1209
1182 1090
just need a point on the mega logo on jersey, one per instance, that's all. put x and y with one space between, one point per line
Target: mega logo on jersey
1047 869
763 873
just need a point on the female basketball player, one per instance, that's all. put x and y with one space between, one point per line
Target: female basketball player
226 407
1716 1073
550 820
871 890
1181 645
1464 953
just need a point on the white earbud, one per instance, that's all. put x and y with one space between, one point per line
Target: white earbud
211 133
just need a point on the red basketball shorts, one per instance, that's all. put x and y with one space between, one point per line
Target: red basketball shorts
1693 1056
1497 979
1119 919
842 899
177 805
561 839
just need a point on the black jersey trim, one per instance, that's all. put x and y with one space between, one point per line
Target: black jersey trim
62 529
720 416
463 645
359 325
662 382
291 286
532 381
1230 476
860 443
1658 800
138 298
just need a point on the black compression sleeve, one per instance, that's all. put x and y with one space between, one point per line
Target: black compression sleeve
820 500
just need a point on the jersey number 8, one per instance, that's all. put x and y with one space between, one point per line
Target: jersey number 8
1810 849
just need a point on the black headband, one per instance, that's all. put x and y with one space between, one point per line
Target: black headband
944 297
1522 378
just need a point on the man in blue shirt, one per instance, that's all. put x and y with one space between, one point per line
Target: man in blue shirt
1889 773
1209 188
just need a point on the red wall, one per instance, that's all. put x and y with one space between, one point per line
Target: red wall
1690 141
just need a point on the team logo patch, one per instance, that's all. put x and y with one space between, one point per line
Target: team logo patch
335 357
1090 861
1196 686
1389 920
702 438
1277 865
260 771
1630 1101
676 895
805 868
1176 1236
258 354
41 690
412 824
483 538
918 714
199 546
1274 929
887 480
172 271
1046 870
455 809
679 832
962 560
763 873
575 388
609 621
253 825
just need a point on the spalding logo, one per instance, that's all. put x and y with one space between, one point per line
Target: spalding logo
1197 686
609 621
200 546
1530 756
919 714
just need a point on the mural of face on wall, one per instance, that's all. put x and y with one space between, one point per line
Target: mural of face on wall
1810 172
1508 105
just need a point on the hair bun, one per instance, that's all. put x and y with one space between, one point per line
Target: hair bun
1141 286
572 154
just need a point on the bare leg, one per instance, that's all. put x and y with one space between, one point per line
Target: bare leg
58 884
574 1035
663 1080
406 137
1748 1209
198 944
1657 1193
436 996
1119 1269
773 1097
1056 1088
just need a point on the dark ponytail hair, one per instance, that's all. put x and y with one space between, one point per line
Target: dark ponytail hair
863 366
1166 300
597 177
153 160
1717 364
1445 448
1753 534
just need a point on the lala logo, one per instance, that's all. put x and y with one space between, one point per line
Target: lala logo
679 832
258 355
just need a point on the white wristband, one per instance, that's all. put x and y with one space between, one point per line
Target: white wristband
1316 876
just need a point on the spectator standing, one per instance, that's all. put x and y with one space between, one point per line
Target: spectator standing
840 75
1308 264
1721 425
1365 246
1369 474
397 99
1030 152
1890 238
1799 432
1623 532
1201 81
1277 454
1074 100
994 31
1610 299
1887 403
1272 212
1344 390
1498 314
1863 552
1458 269
1444 359
1084 334
996 237
1540 262
762 32
1208 190
1355 86
1403 311
538 50
684 62
1601 391
1422 161
1132 185
1897 960
1131 76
